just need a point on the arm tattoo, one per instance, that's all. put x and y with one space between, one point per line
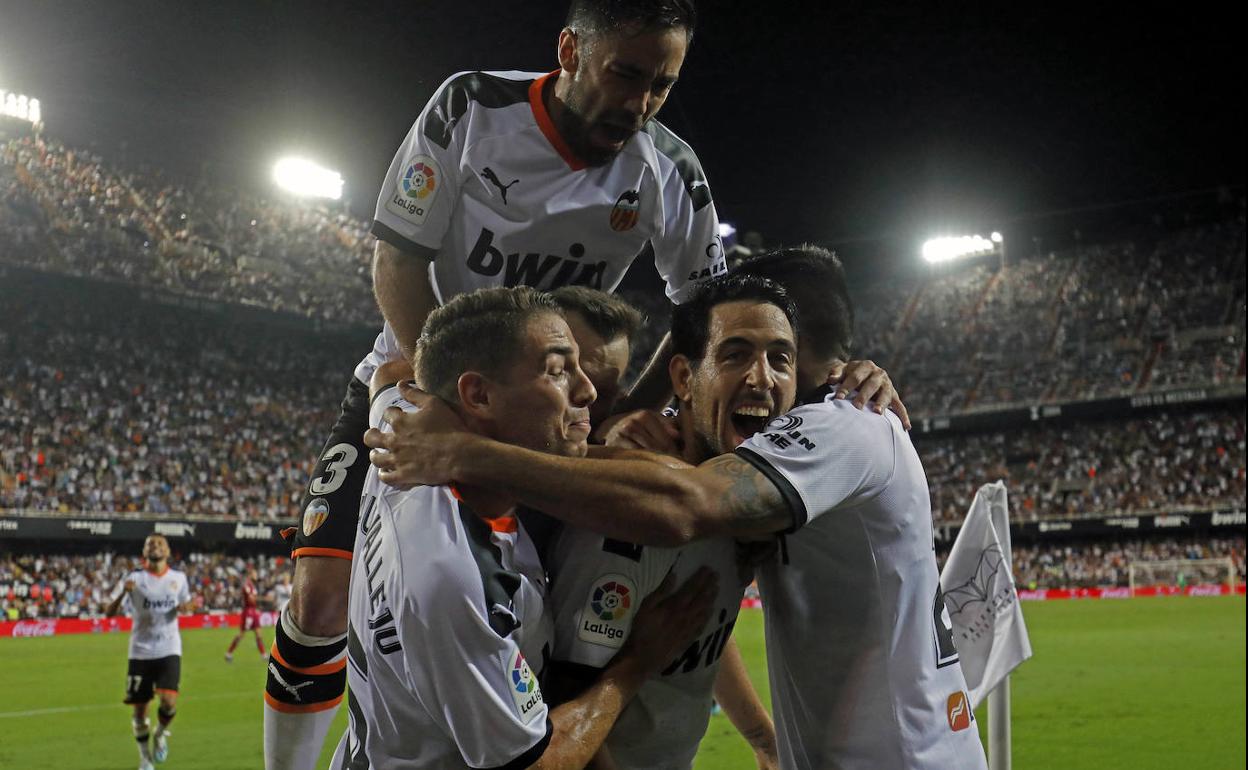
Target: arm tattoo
749 496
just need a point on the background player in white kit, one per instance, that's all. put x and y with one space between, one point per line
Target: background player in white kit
506 178
863 669
153 596
447 591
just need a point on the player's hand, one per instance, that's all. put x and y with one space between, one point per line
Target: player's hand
419 450
874 386
669 620
645 429
129 586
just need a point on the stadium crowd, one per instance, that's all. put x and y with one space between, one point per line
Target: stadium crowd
1160 309
111 405
1167 460
71 586
71 211
1104 564
58 585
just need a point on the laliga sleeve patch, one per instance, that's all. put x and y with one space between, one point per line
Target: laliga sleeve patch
416 189
608 611
524 690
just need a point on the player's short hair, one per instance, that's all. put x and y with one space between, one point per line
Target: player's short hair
815 278
608 315
595 17
691 320
481 331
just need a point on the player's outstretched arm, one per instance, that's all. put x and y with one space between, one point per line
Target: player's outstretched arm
736 695
632 500
404 292
665 624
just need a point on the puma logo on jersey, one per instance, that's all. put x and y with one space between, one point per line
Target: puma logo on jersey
488 174
288 687
546 271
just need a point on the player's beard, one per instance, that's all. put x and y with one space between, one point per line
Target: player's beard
575 131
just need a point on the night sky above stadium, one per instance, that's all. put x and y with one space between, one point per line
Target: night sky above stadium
837 125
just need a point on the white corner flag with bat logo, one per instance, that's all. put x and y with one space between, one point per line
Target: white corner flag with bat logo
978 586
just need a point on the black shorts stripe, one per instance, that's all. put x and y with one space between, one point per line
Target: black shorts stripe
296 689
797 507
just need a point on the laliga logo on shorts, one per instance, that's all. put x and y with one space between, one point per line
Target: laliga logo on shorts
315 515
611 601
625 212
958 711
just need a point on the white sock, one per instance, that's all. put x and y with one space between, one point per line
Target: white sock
141 738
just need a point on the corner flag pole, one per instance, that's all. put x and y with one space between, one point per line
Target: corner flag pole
999 750
999 726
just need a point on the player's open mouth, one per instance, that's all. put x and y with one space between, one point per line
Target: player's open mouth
749 419
614 134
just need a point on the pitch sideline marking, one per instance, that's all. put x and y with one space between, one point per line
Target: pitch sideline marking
99 706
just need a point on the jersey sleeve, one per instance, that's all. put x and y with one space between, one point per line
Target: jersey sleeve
384 399
598 587
824 456
476 683
689 249
421 186
184 590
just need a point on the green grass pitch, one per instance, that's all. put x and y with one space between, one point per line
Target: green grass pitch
1141 683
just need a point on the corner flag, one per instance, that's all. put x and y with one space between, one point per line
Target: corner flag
978 586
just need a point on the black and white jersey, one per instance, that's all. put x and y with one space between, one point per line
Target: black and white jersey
446 634
860 651
153 606
597 586
484 180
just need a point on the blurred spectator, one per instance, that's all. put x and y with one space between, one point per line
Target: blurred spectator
65 586
1105 564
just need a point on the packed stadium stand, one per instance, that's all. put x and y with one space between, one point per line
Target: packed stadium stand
50 585
170 350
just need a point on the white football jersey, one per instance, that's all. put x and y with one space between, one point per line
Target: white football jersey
597 586
863 670
153 606
485 180
447 632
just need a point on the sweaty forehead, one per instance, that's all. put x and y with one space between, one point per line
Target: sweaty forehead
656 51
760 323
548 333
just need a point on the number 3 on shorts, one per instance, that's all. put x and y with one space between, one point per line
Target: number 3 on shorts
338 459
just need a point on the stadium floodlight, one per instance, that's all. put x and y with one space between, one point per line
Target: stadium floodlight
307 179
959 247
726 230
20 106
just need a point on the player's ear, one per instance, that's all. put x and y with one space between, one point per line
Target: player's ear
474 393
569 51
680 370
